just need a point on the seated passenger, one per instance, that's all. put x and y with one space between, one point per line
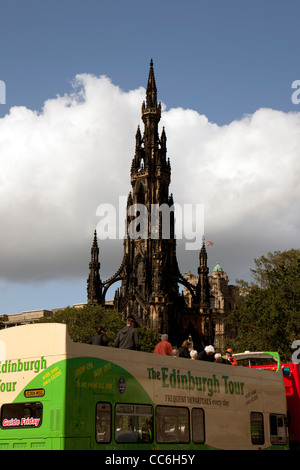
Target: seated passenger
193 354
221 360
207 354
183 351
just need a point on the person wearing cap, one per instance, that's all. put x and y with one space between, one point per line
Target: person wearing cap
229 356
164 347
207 354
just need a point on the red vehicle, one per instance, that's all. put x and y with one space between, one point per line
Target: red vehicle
291 376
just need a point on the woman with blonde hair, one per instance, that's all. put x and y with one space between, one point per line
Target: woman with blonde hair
183 351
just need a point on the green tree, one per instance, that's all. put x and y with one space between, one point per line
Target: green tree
149 339
268 314
265 264
83 322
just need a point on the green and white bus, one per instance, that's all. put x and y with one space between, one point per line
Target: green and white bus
57 394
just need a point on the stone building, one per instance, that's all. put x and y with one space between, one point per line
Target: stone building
149 272
222 300
24 318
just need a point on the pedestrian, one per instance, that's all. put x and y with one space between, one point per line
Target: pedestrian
221 360
193 354
207 354
100 338
229 356
128 337
164 347
183 351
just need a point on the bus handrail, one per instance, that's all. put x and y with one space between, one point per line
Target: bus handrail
259 355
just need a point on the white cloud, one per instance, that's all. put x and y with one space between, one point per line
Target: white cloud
57 166
246 173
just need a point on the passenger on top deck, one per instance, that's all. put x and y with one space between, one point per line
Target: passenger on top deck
207 354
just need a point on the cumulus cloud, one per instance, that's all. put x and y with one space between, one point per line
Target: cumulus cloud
246 174
58 165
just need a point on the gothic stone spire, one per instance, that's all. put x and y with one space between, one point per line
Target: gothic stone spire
150 289
94 285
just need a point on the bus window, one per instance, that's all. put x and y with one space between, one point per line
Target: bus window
103 422
21 415
257 428
198 425
277 429
172 424
133 423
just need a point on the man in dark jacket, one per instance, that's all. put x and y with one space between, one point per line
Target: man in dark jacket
100 339
128 337
207 354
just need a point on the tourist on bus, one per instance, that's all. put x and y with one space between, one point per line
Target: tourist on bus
221 360
184 351
229 356
207 354
128 337
164 347
100 339
194 354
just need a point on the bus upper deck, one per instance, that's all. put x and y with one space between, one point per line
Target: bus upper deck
58 394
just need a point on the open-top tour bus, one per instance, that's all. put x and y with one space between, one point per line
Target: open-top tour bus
57 394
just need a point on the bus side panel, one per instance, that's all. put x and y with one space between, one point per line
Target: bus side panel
92 380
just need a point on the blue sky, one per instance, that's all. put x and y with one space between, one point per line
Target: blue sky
222 60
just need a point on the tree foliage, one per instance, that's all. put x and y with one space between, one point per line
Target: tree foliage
268 314
278 259
83 323
149 339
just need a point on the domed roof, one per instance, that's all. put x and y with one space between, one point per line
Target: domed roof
218 268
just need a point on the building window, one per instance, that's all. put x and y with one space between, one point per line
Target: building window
172 424
140 273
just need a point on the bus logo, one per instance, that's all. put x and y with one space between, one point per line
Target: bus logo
122 385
